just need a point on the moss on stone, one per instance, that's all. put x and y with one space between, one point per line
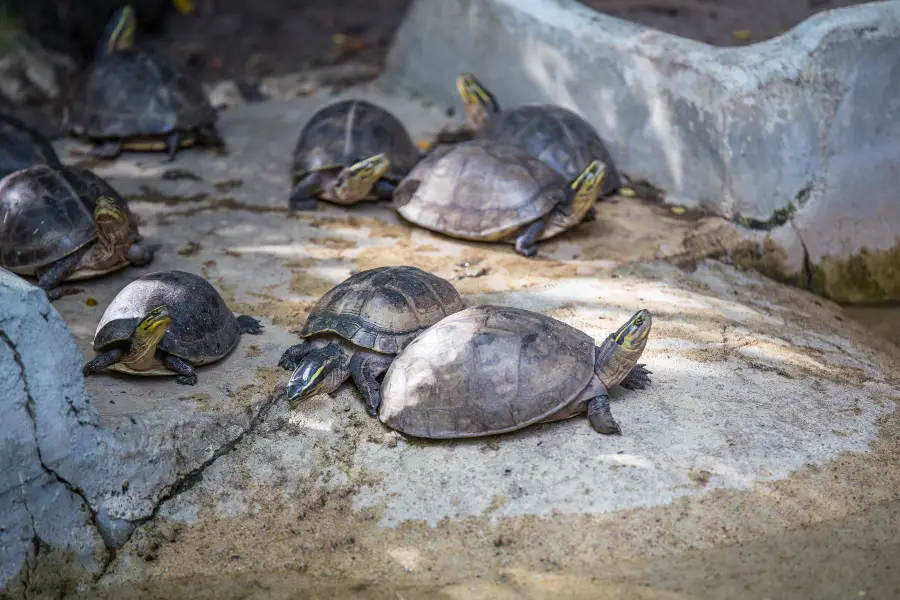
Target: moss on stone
869 277
770 260
778 218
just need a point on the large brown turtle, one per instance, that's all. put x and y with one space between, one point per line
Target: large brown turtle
134 99
495 369
167 323
350 151
555 135
357 327
483 190
63 223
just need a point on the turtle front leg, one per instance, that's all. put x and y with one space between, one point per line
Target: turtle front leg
209 136
249 325
173 143
637 379
365 368
306 192
590 215
526 243
383 190
600 415
108 150
293 355
56 274
108 358
186 373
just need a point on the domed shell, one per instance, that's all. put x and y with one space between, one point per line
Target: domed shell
555 135
383 309
22 146
349 131
203 329
485 370
479 190
131 93
46 213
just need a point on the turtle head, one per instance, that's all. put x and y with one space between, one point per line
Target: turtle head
110 218
620 352
119 33
479 102
356 181
585 189
317 373
152 327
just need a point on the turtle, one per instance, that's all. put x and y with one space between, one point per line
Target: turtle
495 369
556 135
22 146
350 151
62 223
358 326
134 99
483 190
167 323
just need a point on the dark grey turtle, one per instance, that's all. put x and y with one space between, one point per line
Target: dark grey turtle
495 369
63 223
555 135
167 323
357 327
350 151
133 99
22 146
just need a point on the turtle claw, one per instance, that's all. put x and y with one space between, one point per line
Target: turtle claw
637 379
187 379
249 325
57 293
286 363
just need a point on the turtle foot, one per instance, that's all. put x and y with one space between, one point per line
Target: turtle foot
295 204
600 416
187 379
57 293
249 325
637 379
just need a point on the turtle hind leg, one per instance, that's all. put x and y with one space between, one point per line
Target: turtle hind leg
365 368
293 355
304 194
525 243
249 325
637 379
103 361
186 373
56 274
600 416
107 150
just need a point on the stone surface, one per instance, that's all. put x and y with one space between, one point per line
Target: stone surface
770 411
803 126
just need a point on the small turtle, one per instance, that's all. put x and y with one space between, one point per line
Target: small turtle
357 327
63 223
549 132
21 146
483 190
495 369
350 151
167 323
133 99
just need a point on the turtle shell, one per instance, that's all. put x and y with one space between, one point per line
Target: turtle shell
134 93
486 370
47 213
479 190
349 131
22 146
383 309
203 328
556 136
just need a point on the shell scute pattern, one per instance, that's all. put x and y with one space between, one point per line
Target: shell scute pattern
486 369
383 308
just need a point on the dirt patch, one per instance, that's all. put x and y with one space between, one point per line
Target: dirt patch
793 530
718 22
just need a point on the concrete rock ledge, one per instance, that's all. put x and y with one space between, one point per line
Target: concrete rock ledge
802 129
